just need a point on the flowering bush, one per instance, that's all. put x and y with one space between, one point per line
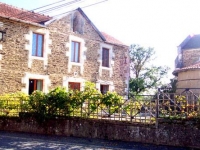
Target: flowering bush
58 102
11 104
61 102
112 101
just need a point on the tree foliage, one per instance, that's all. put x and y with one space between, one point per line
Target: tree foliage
144 76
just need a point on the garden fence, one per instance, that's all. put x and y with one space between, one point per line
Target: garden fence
140 109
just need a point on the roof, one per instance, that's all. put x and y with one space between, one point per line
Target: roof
104 36
191 67
191 42
111 39
9 11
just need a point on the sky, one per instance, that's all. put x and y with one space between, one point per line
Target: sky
161 24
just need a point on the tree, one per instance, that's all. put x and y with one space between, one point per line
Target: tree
143 75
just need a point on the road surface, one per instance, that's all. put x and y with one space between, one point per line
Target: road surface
24 141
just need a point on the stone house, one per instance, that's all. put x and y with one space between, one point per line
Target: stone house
39 52
187 64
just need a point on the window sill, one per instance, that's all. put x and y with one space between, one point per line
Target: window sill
39 58
76 64
106 68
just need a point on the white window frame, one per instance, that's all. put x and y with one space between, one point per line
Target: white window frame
103 82
111 57
1 36
46 49
45 78
42 87
36 57
82 56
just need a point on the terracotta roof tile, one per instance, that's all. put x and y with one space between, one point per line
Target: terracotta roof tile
14 12
195 66
111 39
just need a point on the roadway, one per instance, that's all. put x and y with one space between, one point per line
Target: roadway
25 141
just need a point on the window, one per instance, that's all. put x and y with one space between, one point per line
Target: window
37 45
105 57
2 36
104 88
35 84
75 51
74 85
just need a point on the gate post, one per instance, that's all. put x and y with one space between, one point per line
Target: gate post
157 107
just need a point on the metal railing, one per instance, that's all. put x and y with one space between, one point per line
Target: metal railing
140 108
132 110
185 104
12 106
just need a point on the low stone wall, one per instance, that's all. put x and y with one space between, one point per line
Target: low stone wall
174 133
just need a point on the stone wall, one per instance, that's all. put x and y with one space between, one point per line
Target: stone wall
14 57
190 57
16 60
167 132
91 67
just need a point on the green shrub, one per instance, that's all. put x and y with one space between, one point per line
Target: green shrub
37 102
61 102
112 101
91 98
58 102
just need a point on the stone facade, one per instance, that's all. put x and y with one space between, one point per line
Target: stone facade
187 64
190 57
17 65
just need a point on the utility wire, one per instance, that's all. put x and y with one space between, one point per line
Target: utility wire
56 6
69 3
38 8
81 7
60 6
48 5
50 9
33 14
94 4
